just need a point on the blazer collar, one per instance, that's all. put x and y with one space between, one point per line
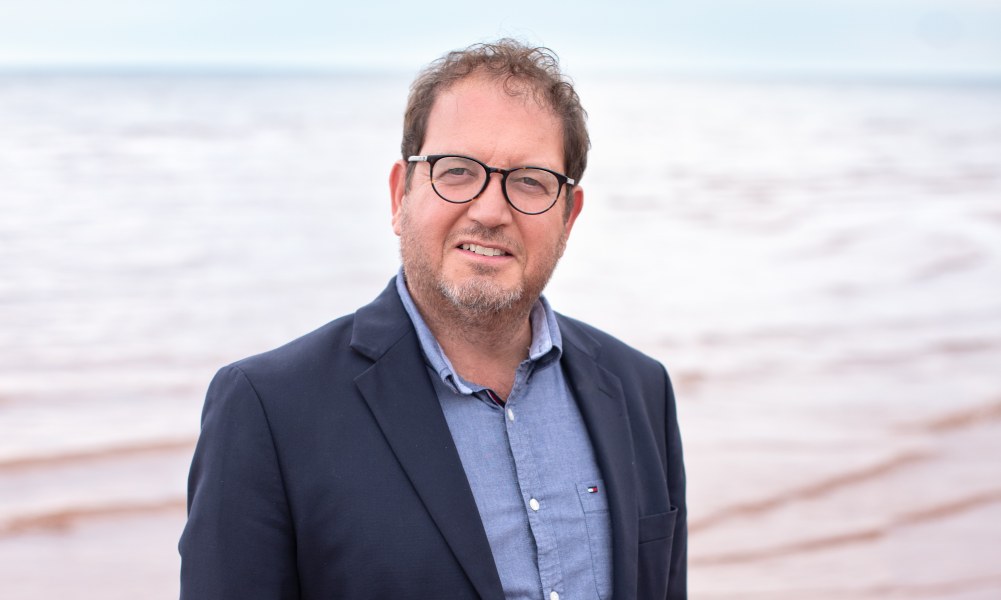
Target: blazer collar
599 395
399 393
381 324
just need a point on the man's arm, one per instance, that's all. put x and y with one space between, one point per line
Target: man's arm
678 577
238 542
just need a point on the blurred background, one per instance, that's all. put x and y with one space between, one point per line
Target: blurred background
795 206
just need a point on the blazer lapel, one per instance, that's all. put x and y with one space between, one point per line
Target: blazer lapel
599 395
403 401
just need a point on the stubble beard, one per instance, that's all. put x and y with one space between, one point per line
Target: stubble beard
476 300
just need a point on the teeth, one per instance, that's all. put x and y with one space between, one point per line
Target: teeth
482 250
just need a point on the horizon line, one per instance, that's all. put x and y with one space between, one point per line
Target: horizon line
818 74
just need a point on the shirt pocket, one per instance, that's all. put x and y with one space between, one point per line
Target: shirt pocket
594 503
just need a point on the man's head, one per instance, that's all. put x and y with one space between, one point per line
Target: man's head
480 255
520 69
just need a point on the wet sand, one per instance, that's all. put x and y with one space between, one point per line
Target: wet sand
915 517
909 513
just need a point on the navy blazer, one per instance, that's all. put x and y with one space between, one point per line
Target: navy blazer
325 469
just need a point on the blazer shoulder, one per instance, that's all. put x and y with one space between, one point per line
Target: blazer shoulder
337 351
603 347
314 348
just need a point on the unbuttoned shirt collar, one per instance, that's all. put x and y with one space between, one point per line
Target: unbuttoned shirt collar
546 346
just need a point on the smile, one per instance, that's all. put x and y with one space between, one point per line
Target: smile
483 250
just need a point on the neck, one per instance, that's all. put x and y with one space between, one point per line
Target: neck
484 347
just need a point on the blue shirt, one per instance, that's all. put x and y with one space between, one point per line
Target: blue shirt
531 468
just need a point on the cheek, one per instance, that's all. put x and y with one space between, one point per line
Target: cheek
546 241
426 229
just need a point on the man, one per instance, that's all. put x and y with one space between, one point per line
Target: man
456 438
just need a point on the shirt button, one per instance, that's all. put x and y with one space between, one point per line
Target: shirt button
510 415
535 506
554 596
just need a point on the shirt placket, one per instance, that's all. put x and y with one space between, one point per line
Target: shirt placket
533 497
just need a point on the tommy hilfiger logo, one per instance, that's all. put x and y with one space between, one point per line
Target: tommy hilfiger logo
592 489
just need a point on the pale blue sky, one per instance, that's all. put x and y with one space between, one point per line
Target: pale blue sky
957 38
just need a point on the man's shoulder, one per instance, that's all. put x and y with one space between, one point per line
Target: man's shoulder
311 348
605 348
359 336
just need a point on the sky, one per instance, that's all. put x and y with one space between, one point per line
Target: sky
950 38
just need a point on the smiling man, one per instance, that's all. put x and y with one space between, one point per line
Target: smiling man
456 438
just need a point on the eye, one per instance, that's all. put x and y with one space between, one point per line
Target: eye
533 182
457 172
528 182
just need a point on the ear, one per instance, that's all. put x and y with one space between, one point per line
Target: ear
578 204
397 191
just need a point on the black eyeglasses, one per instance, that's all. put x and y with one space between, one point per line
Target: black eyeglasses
460 179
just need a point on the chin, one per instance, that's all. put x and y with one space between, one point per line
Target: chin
481 296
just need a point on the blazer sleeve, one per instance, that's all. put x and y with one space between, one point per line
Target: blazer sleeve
678 574
239 541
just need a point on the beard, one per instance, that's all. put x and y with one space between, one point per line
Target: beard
478 296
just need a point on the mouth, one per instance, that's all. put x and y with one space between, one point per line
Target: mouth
483 250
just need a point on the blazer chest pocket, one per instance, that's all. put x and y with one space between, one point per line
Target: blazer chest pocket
657 527
594 503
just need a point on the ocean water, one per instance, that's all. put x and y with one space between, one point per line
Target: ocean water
817 264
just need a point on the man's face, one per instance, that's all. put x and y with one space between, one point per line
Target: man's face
477 118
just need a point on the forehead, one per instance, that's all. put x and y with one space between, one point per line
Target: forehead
485 117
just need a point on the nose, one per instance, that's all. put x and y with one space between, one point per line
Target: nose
490 208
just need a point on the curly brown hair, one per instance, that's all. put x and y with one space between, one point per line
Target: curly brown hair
519 67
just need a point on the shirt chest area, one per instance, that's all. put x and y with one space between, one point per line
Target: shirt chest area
533 473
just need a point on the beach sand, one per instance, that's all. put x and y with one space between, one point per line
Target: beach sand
851 515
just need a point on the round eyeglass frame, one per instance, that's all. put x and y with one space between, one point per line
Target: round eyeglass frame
431 159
